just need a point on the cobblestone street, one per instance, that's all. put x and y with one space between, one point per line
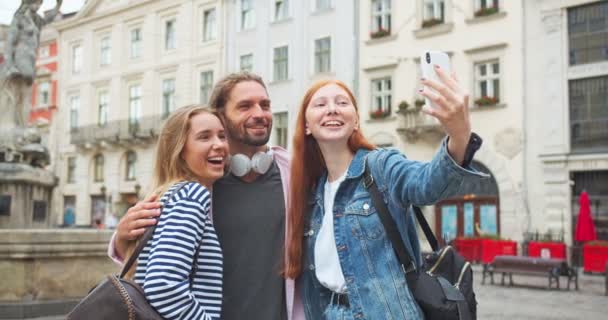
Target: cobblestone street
528 299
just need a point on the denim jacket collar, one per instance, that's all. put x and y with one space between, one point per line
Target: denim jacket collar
355 170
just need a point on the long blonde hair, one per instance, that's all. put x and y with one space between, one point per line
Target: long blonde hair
170 167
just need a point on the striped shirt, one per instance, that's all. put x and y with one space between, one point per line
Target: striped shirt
165 264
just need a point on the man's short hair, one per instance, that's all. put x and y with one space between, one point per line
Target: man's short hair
223 88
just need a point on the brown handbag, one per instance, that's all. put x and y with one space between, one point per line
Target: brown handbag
119 298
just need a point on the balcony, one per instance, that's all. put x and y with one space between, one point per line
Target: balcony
414 124
120 132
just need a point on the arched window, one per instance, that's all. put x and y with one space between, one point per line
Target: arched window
98 167
130 166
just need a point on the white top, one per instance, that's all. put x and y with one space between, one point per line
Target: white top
328 269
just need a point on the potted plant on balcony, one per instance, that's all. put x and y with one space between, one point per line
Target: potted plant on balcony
431 22
378 114
486 11
380 33
486 101
595 256
403 107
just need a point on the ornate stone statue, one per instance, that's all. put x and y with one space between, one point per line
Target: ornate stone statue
17 75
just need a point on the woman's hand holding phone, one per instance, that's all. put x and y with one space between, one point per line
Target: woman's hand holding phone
450 105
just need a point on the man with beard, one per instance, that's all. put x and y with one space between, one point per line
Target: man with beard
249 208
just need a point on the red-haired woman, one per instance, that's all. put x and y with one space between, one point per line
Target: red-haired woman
337 245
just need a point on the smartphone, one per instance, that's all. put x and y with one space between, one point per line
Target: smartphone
427 61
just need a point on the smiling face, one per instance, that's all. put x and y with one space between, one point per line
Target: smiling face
247 115
331 115
206 149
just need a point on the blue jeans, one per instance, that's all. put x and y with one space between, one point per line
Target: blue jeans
335 311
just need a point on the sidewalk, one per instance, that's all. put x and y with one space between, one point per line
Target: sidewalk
530 300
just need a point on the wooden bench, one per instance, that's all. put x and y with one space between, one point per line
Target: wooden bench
550 268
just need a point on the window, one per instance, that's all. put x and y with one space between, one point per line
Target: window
44 89
487 83
323 55
588 33
5 205
102 114
168 96
322 5
136 43
206 85
76 59
247 14
280 129
247 62
98 168
170 41
589 114
71 170
134 104
130 166
209 28
280 63
486 7
381 18
281 9
43 52
105 55
74 106
381 98
433 13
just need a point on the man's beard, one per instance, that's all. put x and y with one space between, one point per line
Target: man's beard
234 133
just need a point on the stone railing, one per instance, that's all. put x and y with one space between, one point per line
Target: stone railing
120 131
51 264
414 123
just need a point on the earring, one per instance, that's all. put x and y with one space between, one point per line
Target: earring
307 131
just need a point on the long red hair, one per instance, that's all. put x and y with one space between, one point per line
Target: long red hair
307 166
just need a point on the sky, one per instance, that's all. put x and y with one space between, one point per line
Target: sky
8 8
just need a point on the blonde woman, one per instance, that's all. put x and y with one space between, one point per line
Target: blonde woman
191 155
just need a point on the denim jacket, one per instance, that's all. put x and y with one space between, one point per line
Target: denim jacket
376 285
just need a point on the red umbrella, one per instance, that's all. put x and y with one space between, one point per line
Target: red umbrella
585 230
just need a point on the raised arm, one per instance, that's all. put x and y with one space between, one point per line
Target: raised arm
132 225
53 13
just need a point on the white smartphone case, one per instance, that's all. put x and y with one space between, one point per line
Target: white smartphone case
427 61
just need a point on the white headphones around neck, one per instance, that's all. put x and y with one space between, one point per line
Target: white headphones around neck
241 165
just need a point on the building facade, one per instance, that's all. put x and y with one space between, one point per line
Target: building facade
291 44
488 63
125 65
567 113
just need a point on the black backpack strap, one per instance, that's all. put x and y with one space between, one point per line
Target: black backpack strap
428 233
147 236
388 222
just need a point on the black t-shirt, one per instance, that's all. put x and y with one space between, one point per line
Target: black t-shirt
249 219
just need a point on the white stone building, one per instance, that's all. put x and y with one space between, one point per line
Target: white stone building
125 64
291 44
484 39
567 111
